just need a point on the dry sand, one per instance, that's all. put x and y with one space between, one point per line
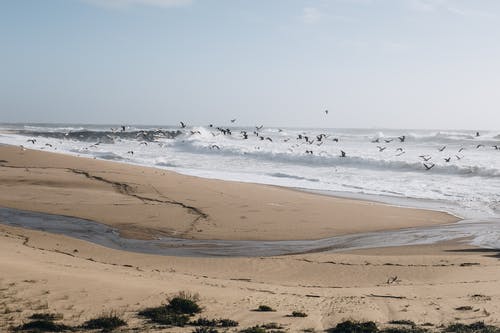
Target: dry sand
42 272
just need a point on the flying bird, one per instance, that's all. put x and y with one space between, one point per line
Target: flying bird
233 120
183 125
342 153
428 167
442 148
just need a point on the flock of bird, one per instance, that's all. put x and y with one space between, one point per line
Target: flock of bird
311 142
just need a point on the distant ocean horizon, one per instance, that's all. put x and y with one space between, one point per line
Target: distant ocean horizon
457 171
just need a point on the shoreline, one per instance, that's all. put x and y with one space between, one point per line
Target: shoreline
252 211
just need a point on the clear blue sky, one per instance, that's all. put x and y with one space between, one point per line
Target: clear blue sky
371 63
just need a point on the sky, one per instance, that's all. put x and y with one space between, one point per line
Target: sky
372 63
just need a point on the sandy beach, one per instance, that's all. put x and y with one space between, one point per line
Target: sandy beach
42 272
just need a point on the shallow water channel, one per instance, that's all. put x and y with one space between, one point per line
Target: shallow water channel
475 232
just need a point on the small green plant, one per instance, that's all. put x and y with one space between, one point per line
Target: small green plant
402 322
227 323
46 316
272 326
106 322
205 330
264 308
298 314
354 327
412 329
204 322
477 327
184 306
164 316
42 326
253 329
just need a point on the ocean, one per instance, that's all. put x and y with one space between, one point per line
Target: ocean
457 171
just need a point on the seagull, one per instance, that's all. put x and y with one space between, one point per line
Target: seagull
123 128
183 125
447 159
442 148
388 140
259 127
458 157
215 146
377 140
428 167
479 146
461 149
425 158
326 111
233 120
268 138
402 138
381 149
130 152
31 140
342 153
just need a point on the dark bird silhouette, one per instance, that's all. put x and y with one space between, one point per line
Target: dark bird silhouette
143 143
428 167
388 140
326 111
245 135
399 149
447 160
259 127
48 145
195 132
269 139
233 120
183 125
309 152
425 158
335 139
381 149
458 157
377 140
402 138
214 147
343 153
401 153
130 152
479 146
442 148
461 149
477 134
496 147
123 128
31 140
